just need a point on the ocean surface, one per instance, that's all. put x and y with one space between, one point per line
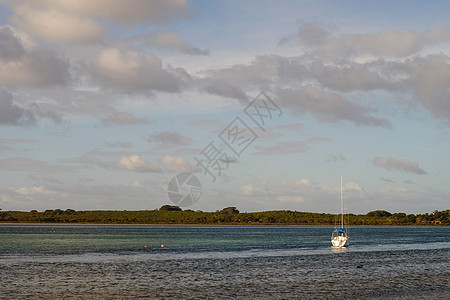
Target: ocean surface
221 262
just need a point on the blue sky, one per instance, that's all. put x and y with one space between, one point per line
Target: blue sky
102 103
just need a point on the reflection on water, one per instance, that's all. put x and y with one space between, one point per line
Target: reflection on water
339 250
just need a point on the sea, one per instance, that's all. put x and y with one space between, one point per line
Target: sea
222 262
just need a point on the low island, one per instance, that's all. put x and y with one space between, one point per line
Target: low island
169 214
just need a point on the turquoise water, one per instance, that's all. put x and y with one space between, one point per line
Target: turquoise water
210 262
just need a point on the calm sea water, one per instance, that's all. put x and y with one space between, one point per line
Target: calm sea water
220 262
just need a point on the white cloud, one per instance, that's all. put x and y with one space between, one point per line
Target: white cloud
171 40
23 63
224 89
334 88
390 163
389 43
11 114
176 164
350 186
126 13
53 25
30 191
429 79
351 76
131 71
232 82
137 164
328 106
23 115
83 20
11 48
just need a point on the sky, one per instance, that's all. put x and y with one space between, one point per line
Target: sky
267 103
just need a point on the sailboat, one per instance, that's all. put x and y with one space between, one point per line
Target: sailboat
339 237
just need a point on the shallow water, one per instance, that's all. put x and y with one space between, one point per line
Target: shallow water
214 262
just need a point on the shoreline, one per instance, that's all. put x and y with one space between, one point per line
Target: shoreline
196 224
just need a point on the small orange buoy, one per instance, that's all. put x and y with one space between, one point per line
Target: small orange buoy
162 246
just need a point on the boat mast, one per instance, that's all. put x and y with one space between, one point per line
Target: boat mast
342 206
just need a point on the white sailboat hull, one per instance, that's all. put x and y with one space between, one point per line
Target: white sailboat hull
340 241
339 237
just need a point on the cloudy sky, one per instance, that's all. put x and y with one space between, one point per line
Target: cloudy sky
102 102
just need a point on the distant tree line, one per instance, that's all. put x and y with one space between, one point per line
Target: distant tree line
169 214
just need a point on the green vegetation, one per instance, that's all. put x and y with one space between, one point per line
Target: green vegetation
168 214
